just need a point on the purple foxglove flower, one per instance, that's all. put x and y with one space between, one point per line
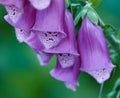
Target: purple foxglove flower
26 20
44 58
33 41
69 75
14 8
49 24
40 4
68 44
95 59
23 34
68 63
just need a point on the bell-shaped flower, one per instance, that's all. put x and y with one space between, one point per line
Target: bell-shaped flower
15 8
40 4
25 22
69 75
49 24
33 41
95 58
23 32
68 62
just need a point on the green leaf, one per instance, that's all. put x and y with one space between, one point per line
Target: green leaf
67 3
113 42
111 94
92 16
109 29
81 14
75 9
95 2
117 85
90 12
118 35
115 93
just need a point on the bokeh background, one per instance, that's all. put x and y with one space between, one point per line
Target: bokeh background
21 75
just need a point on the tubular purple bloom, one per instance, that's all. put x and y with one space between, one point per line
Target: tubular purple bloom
68 63
23 33
14 8
49 24
36 45
40 4
26 20
44 58
68 75
95 59
68 44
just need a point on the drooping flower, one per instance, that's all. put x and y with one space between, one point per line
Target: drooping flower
95 59
26 20
23 32
40 4
68 62
68 75
15 8
49 24
33 41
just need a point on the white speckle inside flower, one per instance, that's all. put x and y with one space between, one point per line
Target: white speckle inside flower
20 34
101 75
13 12
66 60
50 39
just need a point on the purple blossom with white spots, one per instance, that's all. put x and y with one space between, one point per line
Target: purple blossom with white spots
95 59
49 24
48 28
15 8
68 62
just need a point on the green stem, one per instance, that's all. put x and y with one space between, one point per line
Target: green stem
101 90
118 94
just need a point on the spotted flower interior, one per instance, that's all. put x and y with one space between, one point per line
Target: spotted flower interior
50 39
13 12
66 60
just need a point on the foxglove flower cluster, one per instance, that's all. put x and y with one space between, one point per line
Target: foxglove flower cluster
48 28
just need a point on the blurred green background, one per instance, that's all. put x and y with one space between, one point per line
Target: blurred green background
21 76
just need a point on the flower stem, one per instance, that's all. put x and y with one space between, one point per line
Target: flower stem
118 94
101 89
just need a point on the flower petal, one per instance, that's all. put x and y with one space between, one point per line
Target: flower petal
14 12
49 24
66 60
15 8
21 34
50 39
94 51
26 20
40 4
36 45
18 3
68 75
44 58
101 75
69 43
